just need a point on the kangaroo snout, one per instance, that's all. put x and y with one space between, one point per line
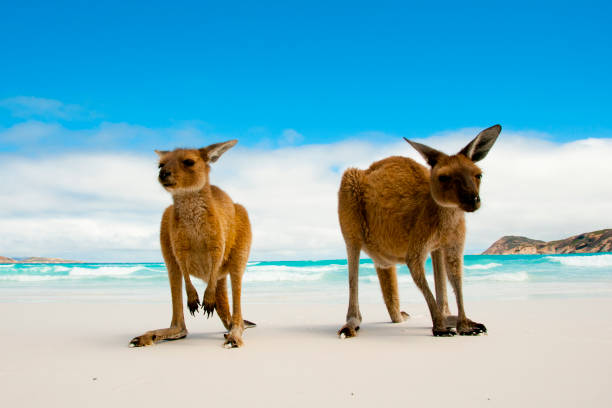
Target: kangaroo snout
163 174
165 178
471 203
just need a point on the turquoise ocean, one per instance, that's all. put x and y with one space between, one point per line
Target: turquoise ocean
486 277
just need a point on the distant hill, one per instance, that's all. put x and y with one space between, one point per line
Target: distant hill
35 259
589 242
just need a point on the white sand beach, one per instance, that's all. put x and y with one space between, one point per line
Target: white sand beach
537 353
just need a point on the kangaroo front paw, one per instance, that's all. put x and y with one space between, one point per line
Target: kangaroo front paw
208 309
347 331
193 305
471 328
209 302
147 339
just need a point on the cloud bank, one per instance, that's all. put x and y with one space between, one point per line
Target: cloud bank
107 206
31 106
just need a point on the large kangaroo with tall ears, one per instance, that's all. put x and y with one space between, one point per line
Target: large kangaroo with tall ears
399 211
203 234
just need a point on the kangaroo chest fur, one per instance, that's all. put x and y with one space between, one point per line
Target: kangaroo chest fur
196 232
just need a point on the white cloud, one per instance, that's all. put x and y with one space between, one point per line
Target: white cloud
31 132
103 206
290 137
35 136
31 106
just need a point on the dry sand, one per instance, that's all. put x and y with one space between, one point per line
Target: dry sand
538 353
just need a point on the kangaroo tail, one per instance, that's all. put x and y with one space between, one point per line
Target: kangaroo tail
351 199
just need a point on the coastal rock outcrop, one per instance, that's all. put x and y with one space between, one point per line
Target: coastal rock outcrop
35 259
588 242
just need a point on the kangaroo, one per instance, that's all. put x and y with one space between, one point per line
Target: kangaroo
400 211
203 234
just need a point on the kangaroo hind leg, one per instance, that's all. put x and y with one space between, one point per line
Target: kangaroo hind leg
222 303
416 264
353 315
177 329
454 266
439 271
388 285
236 267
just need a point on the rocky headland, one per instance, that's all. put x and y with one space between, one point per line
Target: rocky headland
588 242
35 259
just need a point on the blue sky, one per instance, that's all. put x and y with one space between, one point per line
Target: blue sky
327 71
88 90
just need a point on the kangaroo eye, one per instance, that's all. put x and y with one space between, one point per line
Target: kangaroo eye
444 179
478 176
188 162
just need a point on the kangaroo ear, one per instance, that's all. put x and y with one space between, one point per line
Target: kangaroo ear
431 155
160 153
212 153
478 148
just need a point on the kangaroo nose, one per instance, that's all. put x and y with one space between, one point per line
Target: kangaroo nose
164 173
476 199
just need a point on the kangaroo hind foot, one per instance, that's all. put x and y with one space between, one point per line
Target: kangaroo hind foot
155 336
470 328
350 329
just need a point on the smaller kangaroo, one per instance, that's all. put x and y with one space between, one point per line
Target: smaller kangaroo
400 211
203 234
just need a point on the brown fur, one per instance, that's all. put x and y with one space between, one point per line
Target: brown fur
203 234
400 211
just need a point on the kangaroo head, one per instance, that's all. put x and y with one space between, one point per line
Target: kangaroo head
186 170
455 180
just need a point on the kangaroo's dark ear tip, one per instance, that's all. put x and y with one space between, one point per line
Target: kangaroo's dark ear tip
411 143
498 127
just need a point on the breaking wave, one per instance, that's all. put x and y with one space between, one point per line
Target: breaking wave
298 269
286 273
31 278
106 271
281 276
482 266
597 261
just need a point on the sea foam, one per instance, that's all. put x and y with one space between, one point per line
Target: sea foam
106 271
482 266
280 276
31 278
298 269
277 273
584 260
